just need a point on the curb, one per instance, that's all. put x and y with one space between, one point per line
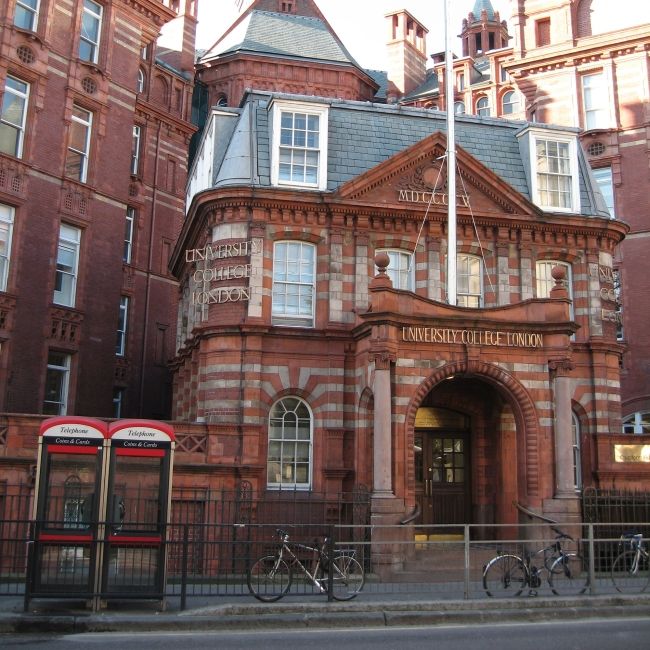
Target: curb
378 614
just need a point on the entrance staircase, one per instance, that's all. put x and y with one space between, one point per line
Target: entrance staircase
441 558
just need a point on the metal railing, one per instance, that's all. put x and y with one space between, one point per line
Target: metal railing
209 562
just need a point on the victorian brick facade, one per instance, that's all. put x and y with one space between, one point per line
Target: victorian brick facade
93 149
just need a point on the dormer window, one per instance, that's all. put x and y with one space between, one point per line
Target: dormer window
286 7
553 169
299 149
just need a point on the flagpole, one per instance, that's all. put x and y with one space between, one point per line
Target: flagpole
451 164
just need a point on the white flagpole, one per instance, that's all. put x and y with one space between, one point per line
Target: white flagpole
451 163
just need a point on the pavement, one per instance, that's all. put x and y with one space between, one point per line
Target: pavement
244 613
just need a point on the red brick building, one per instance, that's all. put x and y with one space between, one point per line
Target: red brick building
94 134
298 366
580 64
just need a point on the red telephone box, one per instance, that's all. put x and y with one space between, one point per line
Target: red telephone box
68 501
137 508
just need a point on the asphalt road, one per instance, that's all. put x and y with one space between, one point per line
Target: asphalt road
591 634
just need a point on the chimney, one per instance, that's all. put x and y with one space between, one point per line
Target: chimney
407 53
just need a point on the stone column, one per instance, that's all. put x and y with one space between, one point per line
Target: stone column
382 451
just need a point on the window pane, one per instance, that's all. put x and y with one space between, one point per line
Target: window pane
26 13
56 384
298 153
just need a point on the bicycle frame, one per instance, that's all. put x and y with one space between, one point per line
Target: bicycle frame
285 547
636 544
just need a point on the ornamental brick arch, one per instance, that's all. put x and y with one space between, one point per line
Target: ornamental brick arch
514 394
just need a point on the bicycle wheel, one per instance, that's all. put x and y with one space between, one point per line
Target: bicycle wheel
348 577
568 575
630 576
504 576
269 578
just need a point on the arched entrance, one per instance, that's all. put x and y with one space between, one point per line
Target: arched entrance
465 454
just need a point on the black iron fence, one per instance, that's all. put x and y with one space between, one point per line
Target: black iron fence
213 539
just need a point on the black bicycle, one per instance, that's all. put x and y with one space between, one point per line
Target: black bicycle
270 577
508 574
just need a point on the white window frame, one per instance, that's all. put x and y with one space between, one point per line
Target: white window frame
459 108
13 94
93 12
466 297
63 372
294 285
7 215
139 84
279 149
544 281
24 8
69 242
400 269
81 119
129 226
577 454
135 149
605 180
288 419
118 401
460 81
483 106
122 325
510 102
595 100
551 139
637 423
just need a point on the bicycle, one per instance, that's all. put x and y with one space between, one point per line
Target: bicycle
631 568
507 574
270 577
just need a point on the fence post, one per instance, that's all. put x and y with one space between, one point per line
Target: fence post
184 559
467 559
592 561
330 564
30 567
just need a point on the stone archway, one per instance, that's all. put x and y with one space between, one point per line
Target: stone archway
503 442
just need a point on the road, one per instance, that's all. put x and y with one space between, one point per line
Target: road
590 634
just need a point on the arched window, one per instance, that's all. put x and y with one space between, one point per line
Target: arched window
638 423
222 100
510 103
290 445
483 107
140 83
545 281
400 269
459 108
469 281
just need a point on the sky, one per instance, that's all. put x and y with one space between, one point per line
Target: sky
361 25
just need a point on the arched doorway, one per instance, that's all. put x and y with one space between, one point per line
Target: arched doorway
466 463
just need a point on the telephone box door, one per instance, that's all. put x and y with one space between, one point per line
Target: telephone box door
137 503
67 505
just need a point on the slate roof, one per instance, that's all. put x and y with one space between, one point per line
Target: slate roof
279 34
362 135
429 87
479 5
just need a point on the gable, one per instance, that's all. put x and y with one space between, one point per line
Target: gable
418 176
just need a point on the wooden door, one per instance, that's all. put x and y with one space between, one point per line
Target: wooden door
442 474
